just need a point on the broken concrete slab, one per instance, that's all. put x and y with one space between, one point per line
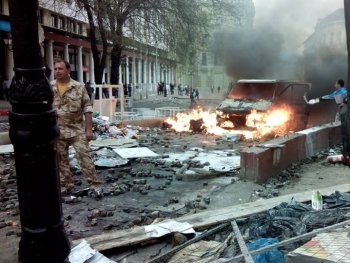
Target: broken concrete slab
111 142
138 152
7 148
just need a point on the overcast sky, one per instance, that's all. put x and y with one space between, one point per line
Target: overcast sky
295 20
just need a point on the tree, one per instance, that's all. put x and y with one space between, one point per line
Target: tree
176 27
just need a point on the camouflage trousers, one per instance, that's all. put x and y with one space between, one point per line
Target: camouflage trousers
87 167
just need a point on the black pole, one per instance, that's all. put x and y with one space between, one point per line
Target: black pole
33 132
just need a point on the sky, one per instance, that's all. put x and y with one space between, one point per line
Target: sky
294 20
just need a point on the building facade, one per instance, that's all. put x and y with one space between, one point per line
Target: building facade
65 37
210 71
325 53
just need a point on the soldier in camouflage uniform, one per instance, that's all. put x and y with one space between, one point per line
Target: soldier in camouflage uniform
74 111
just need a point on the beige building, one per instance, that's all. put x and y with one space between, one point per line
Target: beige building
325 53
209 70
65 36
329 32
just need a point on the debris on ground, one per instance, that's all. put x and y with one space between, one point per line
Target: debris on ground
144 189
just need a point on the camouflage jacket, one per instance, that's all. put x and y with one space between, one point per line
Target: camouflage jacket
70 108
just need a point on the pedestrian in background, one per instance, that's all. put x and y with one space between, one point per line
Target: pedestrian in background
196 94
74 111
129 89
89 89
340 95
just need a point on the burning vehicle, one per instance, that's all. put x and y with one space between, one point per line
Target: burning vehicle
254 104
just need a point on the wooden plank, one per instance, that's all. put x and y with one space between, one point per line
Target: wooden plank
245 253
165 257
215 216
205 219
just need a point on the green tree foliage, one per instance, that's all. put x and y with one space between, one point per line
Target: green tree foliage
176 27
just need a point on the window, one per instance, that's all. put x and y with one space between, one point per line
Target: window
72 57
61 23
53 21
204 59
217 59
72 26
80 29
57 55
338 37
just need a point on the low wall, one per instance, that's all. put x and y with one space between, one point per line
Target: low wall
261 162
151 122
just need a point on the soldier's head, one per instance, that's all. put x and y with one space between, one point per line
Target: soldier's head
62 71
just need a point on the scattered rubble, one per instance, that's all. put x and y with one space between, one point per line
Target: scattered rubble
140 191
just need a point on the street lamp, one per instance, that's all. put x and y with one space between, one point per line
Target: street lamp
191 74
33 133
164 70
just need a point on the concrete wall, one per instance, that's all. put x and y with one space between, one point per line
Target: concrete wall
151 122
261 162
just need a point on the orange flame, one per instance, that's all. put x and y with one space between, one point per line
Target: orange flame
274 121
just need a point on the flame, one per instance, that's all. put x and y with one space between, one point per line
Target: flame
260 123
274 121
236 96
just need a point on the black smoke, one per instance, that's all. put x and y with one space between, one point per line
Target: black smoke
256 54
323 67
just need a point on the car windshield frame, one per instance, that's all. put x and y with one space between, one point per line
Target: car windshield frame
253 91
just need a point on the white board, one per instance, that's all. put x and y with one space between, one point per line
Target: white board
137 152
7 148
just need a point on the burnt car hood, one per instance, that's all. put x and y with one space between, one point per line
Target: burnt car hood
231 105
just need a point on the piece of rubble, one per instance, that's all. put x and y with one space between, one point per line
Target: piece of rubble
83 253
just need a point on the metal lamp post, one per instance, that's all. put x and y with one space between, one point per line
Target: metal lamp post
33 132
191 74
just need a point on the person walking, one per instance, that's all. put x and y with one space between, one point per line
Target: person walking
89 90
196 94
74 112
